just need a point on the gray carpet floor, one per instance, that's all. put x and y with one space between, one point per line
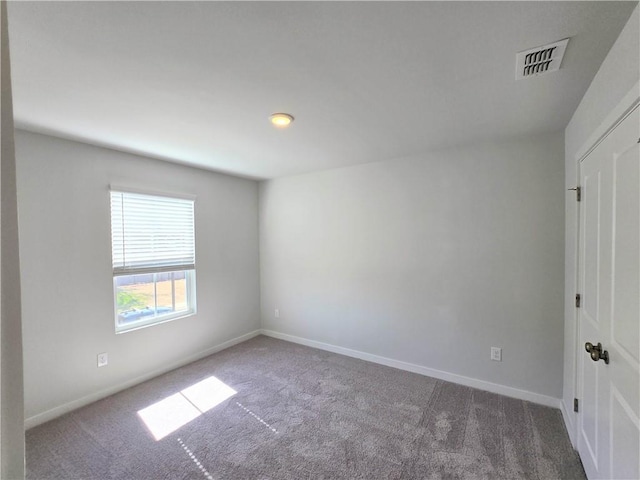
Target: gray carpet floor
305 413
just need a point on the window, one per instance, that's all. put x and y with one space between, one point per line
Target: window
153 252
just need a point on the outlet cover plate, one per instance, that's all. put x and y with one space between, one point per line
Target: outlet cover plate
496 354
103 359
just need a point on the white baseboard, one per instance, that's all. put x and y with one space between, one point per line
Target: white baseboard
86 400
569 423
429 372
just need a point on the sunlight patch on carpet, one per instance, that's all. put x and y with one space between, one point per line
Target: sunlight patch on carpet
168 415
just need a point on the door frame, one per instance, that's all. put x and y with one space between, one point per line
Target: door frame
628 104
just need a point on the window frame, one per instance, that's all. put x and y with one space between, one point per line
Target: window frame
189 273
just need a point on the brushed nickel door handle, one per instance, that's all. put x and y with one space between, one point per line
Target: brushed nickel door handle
596 352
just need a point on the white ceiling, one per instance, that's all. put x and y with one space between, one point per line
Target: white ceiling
195 82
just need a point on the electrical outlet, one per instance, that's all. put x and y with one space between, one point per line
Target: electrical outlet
103 359
276 313
496 354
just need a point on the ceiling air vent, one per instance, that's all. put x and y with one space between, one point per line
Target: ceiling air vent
539 60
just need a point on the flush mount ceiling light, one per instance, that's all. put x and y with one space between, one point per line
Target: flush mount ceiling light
281 120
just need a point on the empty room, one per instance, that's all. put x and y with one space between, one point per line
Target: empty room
333 240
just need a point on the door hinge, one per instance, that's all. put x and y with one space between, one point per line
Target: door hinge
578 300
575 404
578 193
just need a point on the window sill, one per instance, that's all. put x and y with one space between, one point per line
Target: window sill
138 326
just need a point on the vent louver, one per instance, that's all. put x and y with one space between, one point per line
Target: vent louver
539 60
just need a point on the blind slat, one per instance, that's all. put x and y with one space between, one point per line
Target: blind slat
151 233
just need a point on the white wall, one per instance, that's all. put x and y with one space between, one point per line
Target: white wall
65 248
11 392
428 260
617 77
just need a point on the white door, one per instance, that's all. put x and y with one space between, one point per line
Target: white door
609 271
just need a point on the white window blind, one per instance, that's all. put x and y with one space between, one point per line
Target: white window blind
151 233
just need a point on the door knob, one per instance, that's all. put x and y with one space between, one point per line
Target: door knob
596 352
